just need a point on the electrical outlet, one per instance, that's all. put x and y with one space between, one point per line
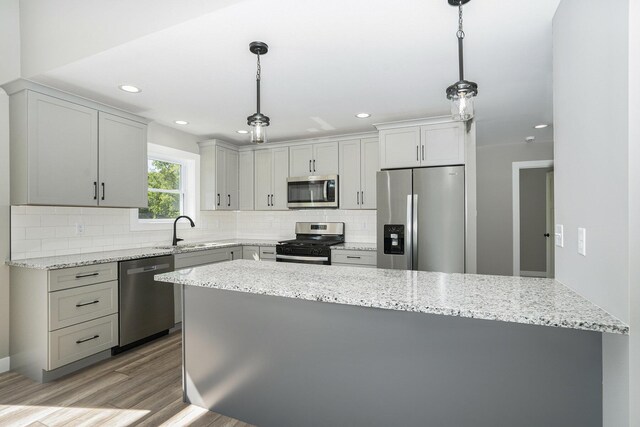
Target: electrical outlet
582 241
79 229
559 235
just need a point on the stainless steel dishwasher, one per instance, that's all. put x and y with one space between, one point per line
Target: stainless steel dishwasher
146 306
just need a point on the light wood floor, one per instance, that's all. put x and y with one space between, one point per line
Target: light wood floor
139 387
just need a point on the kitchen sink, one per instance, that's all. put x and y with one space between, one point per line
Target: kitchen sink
190 246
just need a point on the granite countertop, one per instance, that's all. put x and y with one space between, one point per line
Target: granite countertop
533 301
352 246
77 260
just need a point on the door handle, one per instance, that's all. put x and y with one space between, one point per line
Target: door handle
309 165
423 152
547 235
103 191
314 165
362 197
95 190
272 200
357 197
268 203
229 202
218 199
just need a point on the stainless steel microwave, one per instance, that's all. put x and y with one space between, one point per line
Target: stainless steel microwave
312 192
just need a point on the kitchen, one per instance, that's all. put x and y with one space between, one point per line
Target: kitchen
237 192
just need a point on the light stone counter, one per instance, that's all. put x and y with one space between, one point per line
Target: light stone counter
354 246
532 301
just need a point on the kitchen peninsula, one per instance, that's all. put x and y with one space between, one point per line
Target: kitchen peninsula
314 345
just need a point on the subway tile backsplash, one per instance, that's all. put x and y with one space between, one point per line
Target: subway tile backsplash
38 231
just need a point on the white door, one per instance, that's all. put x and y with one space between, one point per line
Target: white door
231 180
62 151
349 178
369 167
400 148
122 165
263 180
550 220
442 144
245 179
301 160
280 175
325 158
221 175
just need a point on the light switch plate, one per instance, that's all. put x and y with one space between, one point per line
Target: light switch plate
559 235
582 241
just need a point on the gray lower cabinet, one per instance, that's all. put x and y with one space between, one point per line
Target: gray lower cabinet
353 258
197 258
62 320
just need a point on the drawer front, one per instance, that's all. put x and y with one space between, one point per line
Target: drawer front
80 276
337 264
212 256
267 253
79 341
77 305
368 258
251 252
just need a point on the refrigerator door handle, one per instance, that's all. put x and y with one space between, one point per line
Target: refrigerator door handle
414 231
409 232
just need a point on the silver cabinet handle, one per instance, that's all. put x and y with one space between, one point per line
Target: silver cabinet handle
103 191
95 190
88 339
150 268
357 197
80 275
353 257
309 165
82 304
218 199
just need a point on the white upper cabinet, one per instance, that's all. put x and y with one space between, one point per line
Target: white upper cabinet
358 167
313 159
245 181
219 169
437 144
271 173
66 151
122 148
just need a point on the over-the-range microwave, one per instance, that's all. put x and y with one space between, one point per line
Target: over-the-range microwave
312 192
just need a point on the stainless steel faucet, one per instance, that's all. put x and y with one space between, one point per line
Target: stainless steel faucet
175 237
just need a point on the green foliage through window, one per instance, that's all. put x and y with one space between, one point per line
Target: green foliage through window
165 190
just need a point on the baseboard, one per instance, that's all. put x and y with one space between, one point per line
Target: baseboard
533 273
4 365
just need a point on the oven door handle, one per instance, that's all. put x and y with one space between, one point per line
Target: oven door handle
303 258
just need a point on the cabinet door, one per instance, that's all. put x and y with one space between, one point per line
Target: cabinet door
325 158
279 192
369 167
62 152
245 179
400 148
221 174
232 180
301 160
263 180
122 166
349 174
208 197
443 144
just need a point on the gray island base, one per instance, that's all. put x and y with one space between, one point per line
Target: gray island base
286 361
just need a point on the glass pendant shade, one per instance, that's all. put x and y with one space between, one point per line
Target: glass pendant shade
258 133
462 106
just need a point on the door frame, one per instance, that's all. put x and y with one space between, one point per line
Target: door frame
515 197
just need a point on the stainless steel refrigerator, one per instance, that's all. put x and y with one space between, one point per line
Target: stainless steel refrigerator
421 219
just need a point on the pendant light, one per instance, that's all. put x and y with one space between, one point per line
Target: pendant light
462 92
258 121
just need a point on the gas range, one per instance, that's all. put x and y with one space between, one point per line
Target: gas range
312 244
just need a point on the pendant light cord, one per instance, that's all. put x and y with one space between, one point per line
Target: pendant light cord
258 84
460 35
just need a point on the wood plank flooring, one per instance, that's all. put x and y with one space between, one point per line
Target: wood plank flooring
142 387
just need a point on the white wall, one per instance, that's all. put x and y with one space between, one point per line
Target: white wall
495 209
591 118
170 137
634 210
9 70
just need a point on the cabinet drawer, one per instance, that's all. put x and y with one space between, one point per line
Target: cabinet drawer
80 276
79 341
267 253
78 305
368 258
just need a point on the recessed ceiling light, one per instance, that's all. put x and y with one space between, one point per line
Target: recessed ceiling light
530 139
242 131
363 115
130 89
541 126
181 122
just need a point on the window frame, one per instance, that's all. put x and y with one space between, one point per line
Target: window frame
189 183
180 191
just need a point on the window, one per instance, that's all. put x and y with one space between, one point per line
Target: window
173 188
166 194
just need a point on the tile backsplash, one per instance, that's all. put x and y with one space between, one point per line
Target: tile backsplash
38 231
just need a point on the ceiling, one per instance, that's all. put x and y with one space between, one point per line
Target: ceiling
328 61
